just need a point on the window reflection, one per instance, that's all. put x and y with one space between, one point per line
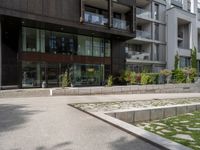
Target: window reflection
59 43
84 45
36 40
88 74
34 74
31 74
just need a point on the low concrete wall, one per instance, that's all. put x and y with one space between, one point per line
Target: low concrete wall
24 93
151 114
135 89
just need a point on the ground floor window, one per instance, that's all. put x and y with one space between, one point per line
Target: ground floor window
34 74
88 74
185 62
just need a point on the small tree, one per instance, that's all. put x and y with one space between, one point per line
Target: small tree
110 81
65 80
176 62
194 57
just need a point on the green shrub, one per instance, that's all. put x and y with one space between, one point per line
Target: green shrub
145 79
130 77
149 78
176 62
179 76
64 80
110 81
194 58
190 74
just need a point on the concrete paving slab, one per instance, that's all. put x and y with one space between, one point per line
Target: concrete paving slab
48 123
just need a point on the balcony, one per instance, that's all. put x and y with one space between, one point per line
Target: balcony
143 34
94 18
120 24
177 3
143 13
139 55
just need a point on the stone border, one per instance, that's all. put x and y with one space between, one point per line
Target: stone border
152 138
154 113
145 135
134 89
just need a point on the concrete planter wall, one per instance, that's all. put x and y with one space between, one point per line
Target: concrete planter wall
150 114
134 89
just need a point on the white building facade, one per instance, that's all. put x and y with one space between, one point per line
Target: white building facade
164 28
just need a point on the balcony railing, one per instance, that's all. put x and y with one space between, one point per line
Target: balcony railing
143 34
120 24
143 13
198 16
94 18
136 55
177 3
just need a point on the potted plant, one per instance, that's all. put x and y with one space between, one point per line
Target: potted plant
167 75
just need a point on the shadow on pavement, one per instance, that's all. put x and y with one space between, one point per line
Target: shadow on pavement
137 144
57 146
12 116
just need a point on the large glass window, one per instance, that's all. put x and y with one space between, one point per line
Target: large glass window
107 48
29 37
35 40
98 47
156 31
87 74
31 74
185 62
59 43
156 12
84 45
53 75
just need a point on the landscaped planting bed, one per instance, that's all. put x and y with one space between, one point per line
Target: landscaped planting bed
111 106
183 129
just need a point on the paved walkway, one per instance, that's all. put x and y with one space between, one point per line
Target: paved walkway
48 123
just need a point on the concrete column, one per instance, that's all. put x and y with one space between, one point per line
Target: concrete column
168 4
194 6
0 55
110 13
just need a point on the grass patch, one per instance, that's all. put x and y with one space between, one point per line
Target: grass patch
183 129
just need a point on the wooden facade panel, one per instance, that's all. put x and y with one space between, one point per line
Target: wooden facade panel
63 9
20 5
35 6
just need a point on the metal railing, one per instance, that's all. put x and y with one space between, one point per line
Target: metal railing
94 18
138 55
143 34
143 13
120 24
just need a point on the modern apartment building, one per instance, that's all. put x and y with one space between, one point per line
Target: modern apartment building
147 51
41 39
183 31
91 39
164 28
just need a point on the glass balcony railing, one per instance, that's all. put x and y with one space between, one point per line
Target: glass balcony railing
95 18
143 34
120 24
138 55
143 13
